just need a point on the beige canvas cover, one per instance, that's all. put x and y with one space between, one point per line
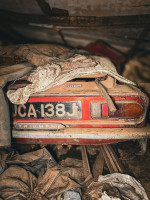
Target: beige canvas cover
55 66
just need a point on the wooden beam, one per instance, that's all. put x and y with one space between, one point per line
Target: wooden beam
98 165
77 21
45 7
86 167
113 163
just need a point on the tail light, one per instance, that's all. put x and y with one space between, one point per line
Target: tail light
132 110
126 110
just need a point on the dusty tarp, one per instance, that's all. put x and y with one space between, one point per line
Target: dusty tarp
106 197
36 54
32 161
71 195
128 186
8 73
20 179
55 66
57 73
13 72
36 175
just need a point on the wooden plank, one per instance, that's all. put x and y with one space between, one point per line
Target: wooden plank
107 160
82 8
86 167
45 7
111 159
78 21
115 159
103 7
98 165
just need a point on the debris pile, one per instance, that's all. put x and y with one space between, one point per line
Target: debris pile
36 175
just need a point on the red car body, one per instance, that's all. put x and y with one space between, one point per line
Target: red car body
77 113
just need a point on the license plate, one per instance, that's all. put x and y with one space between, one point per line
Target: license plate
49 110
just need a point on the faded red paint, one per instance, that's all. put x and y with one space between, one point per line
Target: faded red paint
85 107
67 141
105 110
86 117
96 126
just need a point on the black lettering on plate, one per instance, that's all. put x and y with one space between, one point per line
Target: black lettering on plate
49 110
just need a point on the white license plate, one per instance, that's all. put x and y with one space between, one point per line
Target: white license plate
49 110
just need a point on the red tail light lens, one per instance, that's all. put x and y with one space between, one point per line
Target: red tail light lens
126 110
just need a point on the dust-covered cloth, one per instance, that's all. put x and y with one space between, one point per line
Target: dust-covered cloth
8 73
55 66
35 175
127 185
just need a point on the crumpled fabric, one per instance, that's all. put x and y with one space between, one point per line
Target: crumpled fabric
13 72
4 156
106 197
16 182
19 183
56 181
57 73
36 54
55 66
35 175
32 161
8 73
71 195
128 186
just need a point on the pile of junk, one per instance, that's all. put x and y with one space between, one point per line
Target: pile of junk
51 96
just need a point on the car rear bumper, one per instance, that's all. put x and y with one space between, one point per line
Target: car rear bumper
81 135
